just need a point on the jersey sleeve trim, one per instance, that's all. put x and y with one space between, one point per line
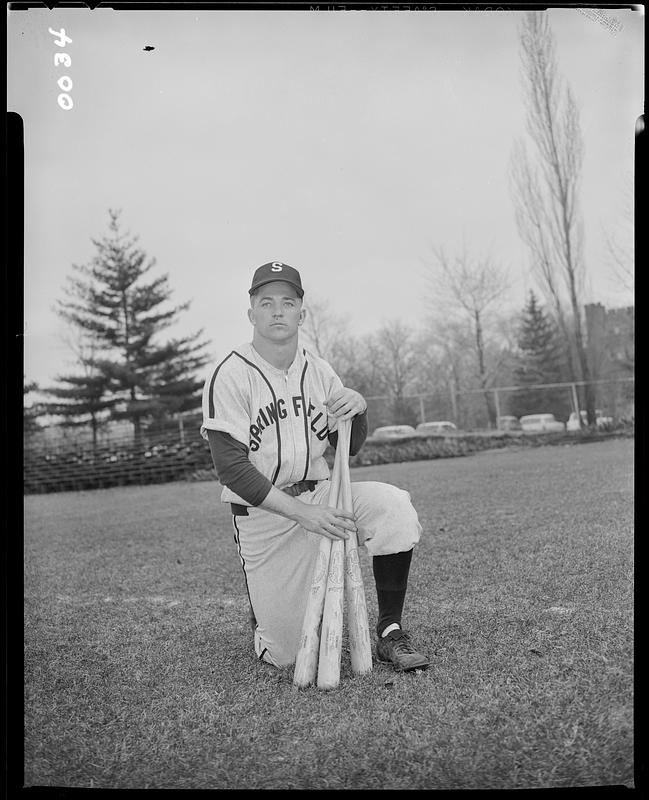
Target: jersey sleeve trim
210 420
223 427
213 379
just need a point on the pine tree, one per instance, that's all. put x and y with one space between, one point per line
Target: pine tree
30 412
81 401
122 314
539 360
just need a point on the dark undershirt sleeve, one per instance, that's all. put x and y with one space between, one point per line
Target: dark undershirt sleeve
358 434
234 470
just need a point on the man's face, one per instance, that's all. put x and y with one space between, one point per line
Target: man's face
276 311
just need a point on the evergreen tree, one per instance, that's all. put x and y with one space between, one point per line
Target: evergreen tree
130 371
81 401
31 412
539 360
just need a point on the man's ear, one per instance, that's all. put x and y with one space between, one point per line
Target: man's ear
251 316
303 313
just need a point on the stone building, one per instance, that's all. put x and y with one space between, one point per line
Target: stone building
611 355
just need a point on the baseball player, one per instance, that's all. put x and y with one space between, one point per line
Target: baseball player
270 410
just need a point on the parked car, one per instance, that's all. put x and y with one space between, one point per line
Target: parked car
393 432
441 426
508 423
541 423
600 420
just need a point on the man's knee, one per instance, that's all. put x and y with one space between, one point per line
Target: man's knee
274 654
387 519
399 498
387 500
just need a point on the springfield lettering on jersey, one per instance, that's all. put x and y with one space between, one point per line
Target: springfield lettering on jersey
269 415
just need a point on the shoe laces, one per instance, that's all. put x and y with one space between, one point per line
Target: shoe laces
401 641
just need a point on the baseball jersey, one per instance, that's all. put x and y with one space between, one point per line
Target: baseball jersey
279 415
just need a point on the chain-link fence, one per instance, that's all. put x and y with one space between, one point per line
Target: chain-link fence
71 459
478 409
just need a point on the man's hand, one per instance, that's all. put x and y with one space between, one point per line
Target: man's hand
346 403
325 520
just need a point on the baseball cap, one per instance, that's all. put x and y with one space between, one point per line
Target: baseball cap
276 271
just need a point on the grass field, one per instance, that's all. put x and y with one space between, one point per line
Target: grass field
140 673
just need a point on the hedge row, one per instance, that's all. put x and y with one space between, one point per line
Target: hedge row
450 445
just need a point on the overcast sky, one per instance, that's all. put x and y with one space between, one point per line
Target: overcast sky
346 144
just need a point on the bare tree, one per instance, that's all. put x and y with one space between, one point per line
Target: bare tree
322 329
396 340
619 245
534 230
445 346
469 288
545 190
360 363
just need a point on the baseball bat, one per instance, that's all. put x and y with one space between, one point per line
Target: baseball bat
306 661
331 634
360 646
352 593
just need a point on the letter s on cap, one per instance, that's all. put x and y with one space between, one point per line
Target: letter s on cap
276 267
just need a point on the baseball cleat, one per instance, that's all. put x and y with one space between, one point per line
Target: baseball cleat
397 648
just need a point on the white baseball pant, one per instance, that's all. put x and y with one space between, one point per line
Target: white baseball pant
278 557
